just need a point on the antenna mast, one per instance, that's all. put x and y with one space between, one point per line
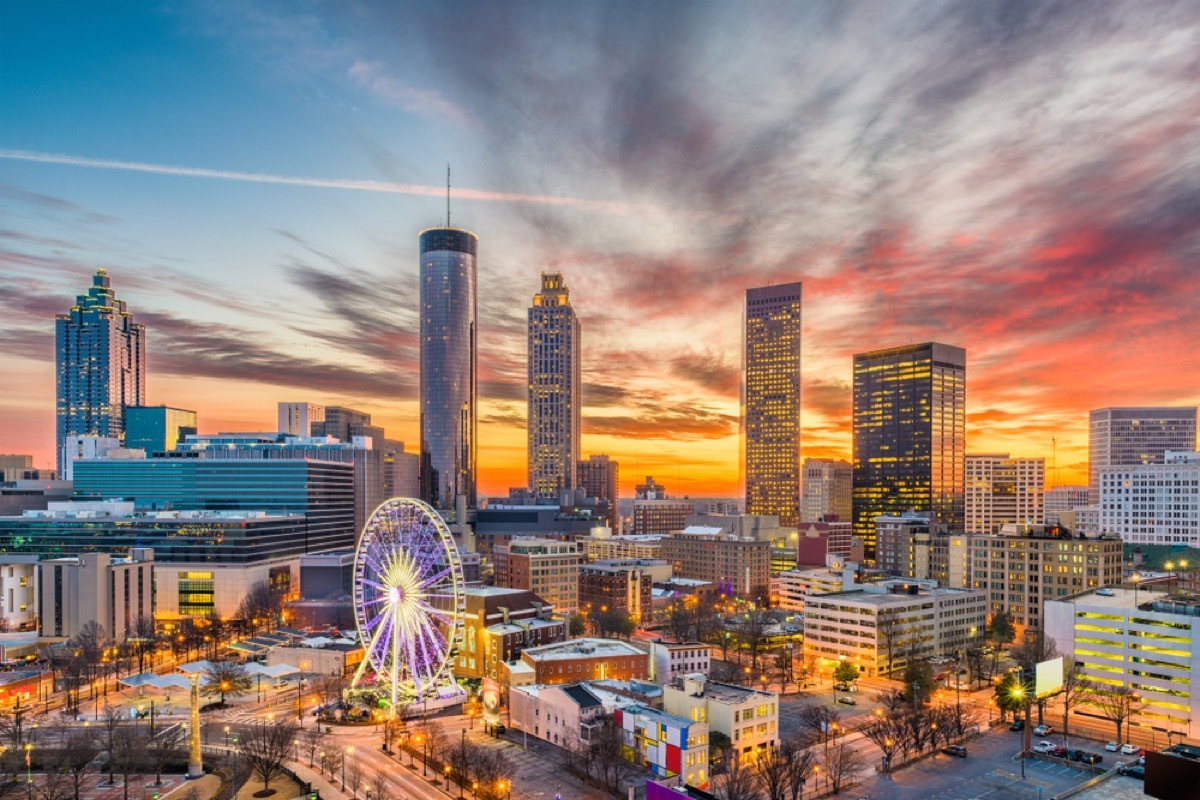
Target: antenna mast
447 195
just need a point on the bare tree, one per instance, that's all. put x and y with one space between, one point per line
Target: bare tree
891 633
819 722
314 740
737 783
841 763
143 641
888 734
1074 687
77 756
55 784
328 689
226 678
753 632
127 755
261 607
892 701
800 764
355 775
771 773
379 787
1116 703
266 746
163 748
609 757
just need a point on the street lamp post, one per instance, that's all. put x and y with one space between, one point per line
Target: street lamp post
28 769
235 751
227 736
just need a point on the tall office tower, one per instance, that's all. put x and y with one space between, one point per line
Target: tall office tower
650 490
1002 489
1062 499
101 365
297 419
910 443
827 489
600 477
555 391
449 424
771 402
157 429
1127 437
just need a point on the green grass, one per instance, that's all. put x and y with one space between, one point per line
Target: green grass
1154 556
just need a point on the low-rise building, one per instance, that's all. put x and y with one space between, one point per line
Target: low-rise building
18 593
670 746
586 659
204 589
114 592
790 589
622 585
1148 641
605 548
497 625
749 717
912 546
879 627
671 660
567 716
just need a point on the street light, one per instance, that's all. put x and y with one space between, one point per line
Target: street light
227 736
28 772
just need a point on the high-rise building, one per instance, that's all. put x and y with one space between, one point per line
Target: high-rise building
297 419
600 477
827 490
14 467
114 592
771 408
548 568
555 389
449 423
1001 489
650 490
1153 503
1126 437
101 364
1063 499
910 442
739 567
157 429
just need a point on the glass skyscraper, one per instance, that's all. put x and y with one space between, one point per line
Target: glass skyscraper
554 389
910 442
771 402
157 429
101 365
448 329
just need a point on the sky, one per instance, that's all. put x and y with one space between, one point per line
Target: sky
1021 179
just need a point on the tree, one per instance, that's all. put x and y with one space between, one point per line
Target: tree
328 689
77 755
1011 695
1000 631
1074 686
1116 703
55 784
266 747
719 744
737 783
918 682
888 734
261 607
379 787
845 672
614 621
314 740
800 764
165 747
771 773
127 755
753 632
841 763
89 646
577 625
355 775
819 721
892 700
1033 650
226 678
975 663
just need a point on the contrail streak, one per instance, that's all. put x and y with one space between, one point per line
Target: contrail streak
386 187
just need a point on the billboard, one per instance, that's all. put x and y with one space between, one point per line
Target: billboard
491 701
1048 677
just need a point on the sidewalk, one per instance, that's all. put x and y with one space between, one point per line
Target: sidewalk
318 782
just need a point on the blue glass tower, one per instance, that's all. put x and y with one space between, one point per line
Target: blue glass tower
448 378
101 369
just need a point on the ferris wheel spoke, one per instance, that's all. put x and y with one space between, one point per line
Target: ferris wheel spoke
443 615
436 577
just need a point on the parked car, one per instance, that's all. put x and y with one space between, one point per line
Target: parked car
1044 747
847 701
1112 747
956 750
1059 752
1104 592
1043 730
1091 758
842 687
1076 755
1134 772
1129 748
1019 725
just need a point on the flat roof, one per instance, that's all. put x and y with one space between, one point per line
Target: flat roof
1122 597
582 648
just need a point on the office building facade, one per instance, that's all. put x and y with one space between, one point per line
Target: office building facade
100 364
827 491
738 567
114 592
298 419
600 477
910 441
548 568
448 393
1126 437
1001 490
555 389
157 429
1153 503
660 516
771 403
1062 500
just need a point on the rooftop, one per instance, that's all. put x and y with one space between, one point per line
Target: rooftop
661 717
1119 597
732 695
582 648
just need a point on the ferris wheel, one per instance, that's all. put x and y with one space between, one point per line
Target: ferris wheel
408 599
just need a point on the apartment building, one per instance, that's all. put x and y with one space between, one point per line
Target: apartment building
1002 489
749 717
739 567
879 627
546 567
1153 503
621 585
672 660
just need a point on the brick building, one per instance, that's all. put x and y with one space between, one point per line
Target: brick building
586 659
739 567
623 585
548 568
498 624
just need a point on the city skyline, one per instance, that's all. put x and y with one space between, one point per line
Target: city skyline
254 182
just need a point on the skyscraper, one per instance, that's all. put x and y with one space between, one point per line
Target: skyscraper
1001 489
771 402
101 365
298 419
1127 437
554 389
827 489
910 442
157 429
448 379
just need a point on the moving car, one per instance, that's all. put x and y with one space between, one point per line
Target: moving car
1044 747
847 701
1043 730
1019 725
1112 747
1129 748
842 687
956 750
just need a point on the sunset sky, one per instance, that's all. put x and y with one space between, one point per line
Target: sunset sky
1021 179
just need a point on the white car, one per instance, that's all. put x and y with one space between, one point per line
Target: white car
1043 747
1043 730
1112 747
1129 748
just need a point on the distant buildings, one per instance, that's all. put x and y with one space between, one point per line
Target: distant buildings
18 592
909 435
555 389
448 344
604 548
791 589
1063 499
621 585
586 659
548 568
100 365
1153 503
828 490
750 718
771 416
912 546
1001 490
816 541
599 476
738 567
1125 437
299 419
114 592
14 467
881 627
157 429
660 515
